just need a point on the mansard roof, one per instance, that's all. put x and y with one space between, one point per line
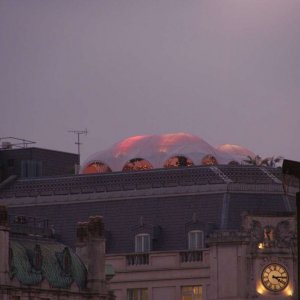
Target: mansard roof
141 180
166 199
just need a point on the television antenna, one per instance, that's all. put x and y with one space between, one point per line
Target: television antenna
78 143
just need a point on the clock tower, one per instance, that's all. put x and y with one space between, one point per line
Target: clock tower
272 259
258 261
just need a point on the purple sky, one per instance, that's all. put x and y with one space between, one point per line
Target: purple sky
227 71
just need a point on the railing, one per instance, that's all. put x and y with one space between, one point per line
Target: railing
159 259
137 259
30 226
191 256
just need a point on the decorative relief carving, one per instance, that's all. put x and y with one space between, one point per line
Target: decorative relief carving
284 234
280 235
269 237
65 261
256 231
37 258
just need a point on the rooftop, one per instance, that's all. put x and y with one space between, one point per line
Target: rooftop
136 180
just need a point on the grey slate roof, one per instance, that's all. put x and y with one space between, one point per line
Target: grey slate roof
121 216
122 181
168 216
253 204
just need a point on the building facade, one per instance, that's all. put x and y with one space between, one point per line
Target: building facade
183 220
35 162
34 265
207 232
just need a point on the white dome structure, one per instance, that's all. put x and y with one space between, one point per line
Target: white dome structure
158 151
238 152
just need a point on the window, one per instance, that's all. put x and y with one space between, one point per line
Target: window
137 164
191 292
178 161
142 242
137 294
209 160
31 168
195 240
96 167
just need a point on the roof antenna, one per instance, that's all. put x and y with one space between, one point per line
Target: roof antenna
78 133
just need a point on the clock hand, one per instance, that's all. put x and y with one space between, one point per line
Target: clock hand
278 279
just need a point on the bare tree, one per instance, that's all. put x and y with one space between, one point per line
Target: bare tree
255 161
272 161
268 161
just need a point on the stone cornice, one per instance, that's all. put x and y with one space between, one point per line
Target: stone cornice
228 236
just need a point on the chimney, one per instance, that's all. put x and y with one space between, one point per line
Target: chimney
4 245
90 247
82 241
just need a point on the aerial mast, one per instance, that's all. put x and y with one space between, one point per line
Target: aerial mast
78 143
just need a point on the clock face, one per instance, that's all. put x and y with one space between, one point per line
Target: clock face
275 277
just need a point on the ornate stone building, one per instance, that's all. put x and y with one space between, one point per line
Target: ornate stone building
215 229
34 265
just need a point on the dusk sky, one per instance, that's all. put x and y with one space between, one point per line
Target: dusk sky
225 70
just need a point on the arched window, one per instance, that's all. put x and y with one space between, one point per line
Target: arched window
209 160
137 164
142 242
195 240
96 167
178 161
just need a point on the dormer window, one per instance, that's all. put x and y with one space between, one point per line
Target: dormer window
195 240
142 242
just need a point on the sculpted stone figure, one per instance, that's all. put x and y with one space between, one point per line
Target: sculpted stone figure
257 233
269 236
284 234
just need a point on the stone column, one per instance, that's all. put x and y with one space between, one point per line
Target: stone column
96 254
228 265
4 246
